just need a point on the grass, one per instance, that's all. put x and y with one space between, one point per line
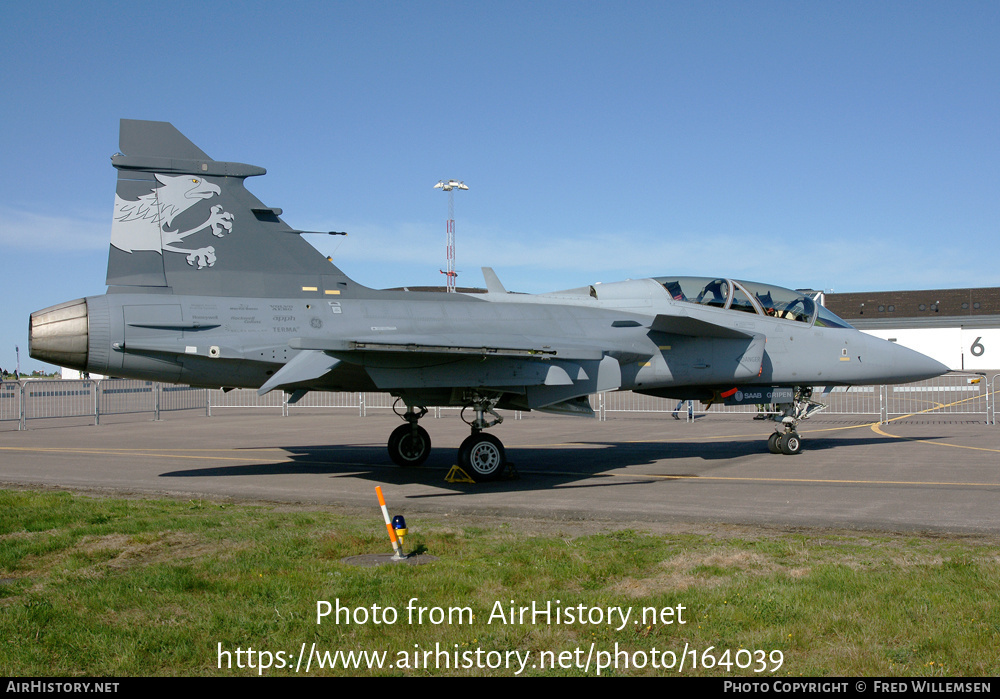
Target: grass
115 587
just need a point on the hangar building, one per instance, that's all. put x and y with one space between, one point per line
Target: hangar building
960 327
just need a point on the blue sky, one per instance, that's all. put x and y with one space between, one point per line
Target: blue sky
844 145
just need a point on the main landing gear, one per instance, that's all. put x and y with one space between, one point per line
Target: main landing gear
481 455
409 444
802 407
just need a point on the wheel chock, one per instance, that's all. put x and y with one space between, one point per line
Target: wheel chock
457 475
510 473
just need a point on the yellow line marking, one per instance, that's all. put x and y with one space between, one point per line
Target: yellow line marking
136 452
790 480
288 457
698 438
877 429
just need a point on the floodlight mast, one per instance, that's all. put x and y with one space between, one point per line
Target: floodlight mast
450 186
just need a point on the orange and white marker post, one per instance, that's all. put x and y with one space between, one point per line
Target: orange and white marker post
388 524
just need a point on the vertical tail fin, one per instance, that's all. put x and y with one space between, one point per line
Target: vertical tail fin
187 222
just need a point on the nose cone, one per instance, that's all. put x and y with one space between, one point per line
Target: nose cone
904 365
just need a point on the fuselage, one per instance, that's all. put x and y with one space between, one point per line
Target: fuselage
665 341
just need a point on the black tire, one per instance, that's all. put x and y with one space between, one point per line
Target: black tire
790 443
482 456
772 443
409 447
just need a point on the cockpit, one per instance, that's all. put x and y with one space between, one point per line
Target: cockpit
751 297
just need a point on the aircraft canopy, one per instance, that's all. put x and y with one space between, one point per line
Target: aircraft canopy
751 297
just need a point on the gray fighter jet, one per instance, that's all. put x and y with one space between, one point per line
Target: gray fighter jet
207 286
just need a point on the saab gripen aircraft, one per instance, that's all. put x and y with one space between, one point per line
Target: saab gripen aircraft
209 287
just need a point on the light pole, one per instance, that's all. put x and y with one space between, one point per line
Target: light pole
450 186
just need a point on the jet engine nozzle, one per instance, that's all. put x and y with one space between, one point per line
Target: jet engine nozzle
59 334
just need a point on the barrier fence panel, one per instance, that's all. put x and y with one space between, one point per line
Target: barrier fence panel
120 396
379 401
56 398
329 399
10 402
246 398
629 402
951 394
851 400
721 409
182 398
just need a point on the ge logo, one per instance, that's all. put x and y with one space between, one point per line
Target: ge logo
977 347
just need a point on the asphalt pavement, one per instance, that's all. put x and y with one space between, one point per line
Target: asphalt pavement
914 474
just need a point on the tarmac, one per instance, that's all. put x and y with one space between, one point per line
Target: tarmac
916 474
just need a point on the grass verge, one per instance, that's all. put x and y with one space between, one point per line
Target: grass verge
119 587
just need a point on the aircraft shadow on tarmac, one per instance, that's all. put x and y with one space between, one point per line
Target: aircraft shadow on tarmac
537 467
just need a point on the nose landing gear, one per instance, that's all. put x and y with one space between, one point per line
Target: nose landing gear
801 408
788 443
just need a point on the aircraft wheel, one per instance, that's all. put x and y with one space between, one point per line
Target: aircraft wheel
482 457
790 443
772 443
408 447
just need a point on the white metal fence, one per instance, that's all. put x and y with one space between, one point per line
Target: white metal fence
970 396
953 395
39 399
218 399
